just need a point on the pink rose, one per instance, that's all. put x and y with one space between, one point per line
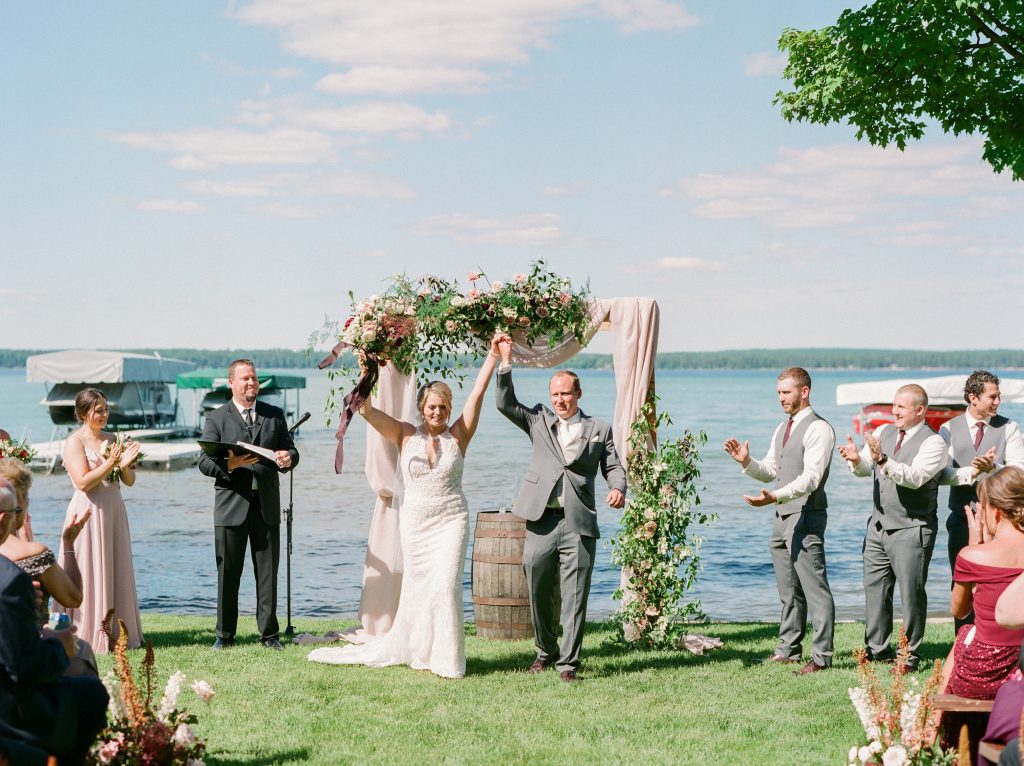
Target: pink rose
450 325
520 278
473 294
564 298
108 751
524 321
542 311
474 276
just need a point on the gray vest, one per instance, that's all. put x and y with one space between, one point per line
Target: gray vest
962 452
899 507
789 461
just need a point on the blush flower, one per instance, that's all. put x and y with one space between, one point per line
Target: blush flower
203 690
474 276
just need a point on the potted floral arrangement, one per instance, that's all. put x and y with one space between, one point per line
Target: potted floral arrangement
19 450
138 732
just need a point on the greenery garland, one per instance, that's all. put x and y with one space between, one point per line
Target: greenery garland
654 546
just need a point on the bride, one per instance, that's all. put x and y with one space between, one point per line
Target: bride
427 633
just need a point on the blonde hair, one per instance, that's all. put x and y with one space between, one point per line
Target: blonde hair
18 475
1004 491
438 387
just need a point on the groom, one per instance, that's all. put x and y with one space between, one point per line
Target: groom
557 501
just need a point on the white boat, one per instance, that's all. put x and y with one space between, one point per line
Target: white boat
136 385
945 398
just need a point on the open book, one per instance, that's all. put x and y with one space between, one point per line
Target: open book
220 449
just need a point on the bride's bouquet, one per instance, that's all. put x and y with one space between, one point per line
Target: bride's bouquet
19 450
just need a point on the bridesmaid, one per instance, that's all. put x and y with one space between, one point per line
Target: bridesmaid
104 549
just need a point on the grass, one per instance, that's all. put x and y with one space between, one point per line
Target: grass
635 707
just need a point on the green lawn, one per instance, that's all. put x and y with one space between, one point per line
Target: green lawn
629 707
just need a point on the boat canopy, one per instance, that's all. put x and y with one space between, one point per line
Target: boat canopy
942 390
214 379
102 367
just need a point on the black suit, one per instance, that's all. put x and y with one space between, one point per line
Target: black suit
38 706
242 514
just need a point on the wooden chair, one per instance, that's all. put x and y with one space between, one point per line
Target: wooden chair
963 713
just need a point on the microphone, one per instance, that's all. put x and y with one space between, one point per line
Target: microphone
304 417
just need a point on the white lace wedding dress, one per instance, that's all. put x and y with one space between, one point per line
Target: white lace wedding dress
427 633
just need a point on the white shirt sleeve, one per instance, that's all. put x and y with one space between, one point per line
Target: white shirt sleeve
927 463
819 441
767 469
1014 446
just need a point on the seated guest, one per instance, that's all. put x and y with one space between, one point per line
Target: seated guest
1004 720
1010 607
985 654
39 707
64 584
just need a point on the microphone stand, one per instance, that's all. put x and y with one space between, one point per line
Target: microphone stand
289 631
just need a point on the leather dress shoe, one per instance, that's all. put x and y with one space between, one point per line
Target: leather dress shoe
781 660
272 643
538 666
810 667
569 676
223 643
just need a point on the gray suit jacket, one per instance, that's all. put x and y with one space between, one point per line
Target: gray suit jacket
233 490
596 453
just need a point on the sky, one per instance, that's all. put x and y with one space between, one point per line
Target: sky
221 175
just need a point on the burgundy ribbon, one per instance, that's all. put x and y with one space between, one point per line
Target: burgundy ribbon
354 399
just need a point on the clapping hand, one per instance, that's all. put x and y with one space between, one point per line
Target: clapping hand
765 498
984 463
74 527
849 450
129 454
874 446
738 452
116 450
976 531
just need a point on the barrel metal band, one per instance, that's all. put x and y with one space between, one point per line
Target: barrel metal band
493 558
500 532
524 626
496 601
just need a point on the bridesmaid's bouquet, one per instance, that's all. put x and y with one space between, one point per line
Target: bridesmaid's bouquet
122 441
138 733
22 450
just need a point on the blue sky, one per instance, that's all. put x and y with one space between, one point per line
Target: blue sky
214 175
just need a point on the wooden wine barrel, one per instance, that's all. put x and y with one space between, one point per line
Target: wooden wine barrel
501 601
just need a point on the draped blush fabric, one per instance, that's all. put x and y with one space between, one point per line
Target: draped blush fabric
634 323
382 568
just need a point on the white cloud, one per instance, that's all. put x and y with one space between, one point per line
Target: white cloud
536 230
390 79
764 64
177 206
675 263
259 186
348 184
846 185
372 117
642 15
207 148
278 210
567 190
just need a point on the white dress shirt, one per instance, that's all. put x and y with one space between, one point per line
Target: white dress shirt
929 460
964 475
818 442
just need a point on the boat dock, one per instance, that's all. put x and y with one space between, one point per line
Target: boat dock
165 449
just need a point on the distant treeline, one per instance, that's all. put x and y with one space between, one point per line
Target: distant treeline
743 359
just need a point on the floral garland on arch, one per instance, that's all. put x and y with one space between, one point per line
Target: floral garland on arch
654 546
19 450
428 326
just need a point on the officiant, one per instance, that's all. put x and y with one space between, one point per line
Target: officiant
247 501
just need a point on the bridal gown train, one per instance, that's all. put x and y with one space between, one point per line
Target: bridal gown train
427 633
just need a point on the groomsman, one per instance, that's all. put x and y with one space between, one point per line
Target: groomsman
798 461
979 441
906 459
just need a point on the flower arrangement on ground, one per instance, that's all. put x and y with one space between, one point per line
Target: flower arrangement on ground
901 723
138 733
19 450
654 544
120 440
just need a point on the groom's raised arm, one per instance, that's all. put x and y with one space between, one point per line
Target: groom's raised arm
508 404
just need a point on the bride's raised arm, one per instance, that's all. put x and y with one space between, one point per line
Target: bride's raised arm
465 426
395 431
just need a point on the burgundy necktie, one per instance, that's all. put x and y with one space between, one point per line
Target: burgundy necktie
978 436
899 442
789 429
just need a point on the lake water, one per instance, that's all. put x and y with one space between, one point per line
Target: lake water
172 519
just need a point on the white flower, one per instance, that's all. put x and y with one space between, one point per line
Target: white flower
369 336
895 756
520 278
864 754
875 746
170 699
203 690
115 705
183 735
509 313
195 762
496 286
853 754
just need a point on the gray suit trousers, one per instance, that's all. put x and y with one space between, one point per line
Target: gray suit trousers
897 556
557 558
797 546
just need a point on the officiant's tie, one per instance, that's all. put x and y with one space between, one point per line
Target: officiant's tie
247 413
